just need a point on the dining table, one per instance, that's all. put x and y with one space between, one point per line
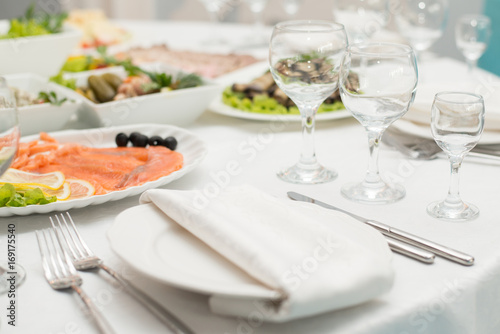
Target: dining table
439 298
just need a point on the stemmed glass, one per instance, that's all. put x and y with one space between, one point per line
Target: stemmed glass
215 9
304 59
422 22
457 123
377 85
361 18
9 138
257 8
472 34
291 7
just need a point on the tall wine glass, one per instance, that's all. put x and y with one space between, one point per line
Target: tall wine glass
457 123
9 138
472 34
422 22
361 18
291 7
377 85
257 8
216 9
304 59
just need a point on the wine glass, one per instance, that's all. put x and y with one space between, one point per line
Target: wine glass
472 34
361 18
304 59
422 22
377 85
257 8
216 9
9 138
291 7
457 123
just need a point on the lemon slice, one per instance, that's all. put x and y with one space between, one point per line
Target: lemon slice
19 178
61 194
80 189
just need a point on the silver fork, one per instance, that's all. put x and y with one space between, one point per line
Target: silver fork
83 259
61 274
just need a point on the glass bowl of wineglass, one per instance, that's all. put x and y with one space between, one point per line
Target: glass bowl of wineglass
304 59
457 122
361 18
9 139
472 35
377 83
422 22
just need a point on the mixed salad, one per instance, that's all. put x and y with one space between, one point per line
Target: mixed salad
34 23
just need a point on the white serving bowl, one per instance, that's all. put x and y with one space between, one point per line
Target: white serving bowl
42 55
41 117
176 107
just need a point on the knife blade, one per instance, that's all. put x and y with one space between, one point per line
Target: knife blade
439 250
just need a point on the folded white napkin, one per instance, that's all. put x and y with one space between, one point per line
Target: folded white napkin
317 260
420 111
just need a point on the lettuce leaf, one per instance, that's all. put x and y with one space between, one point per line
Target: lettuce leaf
10 196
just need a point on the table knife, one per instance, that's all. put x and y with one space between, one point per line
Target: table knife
439 250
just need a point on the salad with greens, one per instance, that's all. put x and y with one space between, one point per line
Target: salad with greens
19 197
262 95
35 23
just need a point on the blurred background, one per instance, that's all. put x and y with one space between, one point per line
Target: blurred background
240 12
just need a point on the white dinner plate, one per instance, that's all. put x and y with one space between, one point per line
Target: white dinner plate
424 130
247 74
192 149
165 251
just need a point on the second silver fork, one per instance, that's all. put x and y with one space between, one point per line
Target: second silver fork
83 259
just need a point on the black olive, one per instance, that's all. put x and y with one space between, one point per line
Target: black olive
133 136
121 139
140 140
170 142
155 141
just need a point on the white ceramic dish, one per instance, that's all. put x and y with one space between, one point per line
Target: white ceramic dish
177 107
162 249
174 256
42 55
220 108
41 117
192 148
424 130
247 74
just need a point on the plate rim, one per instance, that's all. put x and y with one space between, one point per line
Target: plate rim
218 107
252 291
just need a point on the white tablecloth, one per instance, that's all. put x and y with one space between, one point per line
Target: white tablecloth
443 298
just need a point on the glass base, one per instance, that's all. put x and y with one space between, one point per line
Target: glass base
460 212
382 193
5 277
297 174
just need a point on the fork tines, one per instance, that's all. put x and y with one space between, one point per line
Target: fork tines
57 266
69 237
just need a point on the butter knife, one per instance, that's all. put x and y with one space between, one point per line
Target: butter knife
439 250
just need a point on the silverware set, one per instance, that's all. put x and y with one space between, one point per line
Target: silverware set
420 148
64 251
400 241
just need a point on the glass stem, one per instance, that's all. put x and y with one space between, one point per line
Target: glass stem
308 155
453 199
471 65
372 178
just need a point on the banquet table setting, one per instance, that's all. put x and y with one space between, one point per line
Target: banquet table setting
221 245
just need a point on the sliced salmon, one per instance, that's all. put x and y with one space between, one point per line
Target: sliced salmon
107 169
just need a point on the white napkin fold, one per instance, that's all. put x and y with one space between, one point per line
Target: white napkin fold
317 259
420 111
